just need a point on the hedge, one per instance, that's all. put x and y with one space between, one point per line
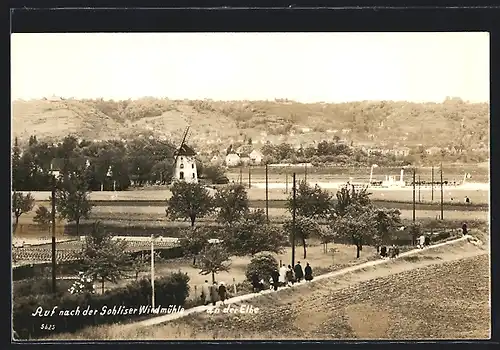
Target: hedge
169 290
42 286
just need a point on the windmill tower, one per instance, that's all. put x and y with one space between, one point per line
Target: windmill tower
185 162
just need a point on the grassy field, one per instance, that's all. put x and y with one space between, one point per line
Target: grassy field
259 194
440 293
345 256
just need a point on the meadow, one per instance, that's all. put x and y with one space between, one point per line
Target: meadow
417 297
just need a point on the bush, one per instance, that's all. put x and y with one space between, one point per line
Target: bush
262 264
41 286
169 290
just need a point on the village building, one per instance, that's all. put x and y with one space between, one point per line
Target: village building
256 157
232 159
433 150
185 165
401 151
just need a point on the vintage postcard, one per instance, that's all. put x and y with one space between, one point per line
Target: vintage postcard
265 186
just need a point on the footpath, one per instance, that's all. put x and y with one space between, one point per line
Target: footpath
203 308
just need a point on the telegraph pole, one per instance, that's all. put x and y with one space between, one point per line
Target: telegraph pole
152 272
249 177
442 216
54 235
267 195
413 194
293 220
286 181
432 184
419 189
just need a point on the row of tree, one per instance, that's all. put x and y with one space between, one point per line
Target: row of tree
109 165
243 231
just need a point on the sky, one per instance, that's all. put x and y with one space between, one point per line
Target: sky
305 67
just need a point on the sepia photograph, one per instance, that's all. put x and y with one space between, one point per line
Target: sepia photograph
250 186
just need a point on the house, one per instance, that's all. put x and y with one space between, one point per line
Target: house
232 159
401 151
245 160
215 159
433 150
185 165
256 157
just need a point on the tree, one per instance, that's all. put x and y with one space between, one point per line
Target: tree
311 202
103 258
326 236
72 198
347 197
214 259
304 228
189 201
21 204
232 201
358 224
252 234
43 217
386 222
262 265
142 263
214 173
193 242
414 229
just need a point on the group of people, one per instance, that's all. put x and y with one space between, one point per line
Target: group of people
391 252
286 276
211 293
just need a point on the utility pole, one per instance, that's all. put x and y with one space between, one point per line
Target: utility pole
432 184
249 178
305 173
442 216
419 189
293 220
286 181
413 194
241 174
267 195
54 235
152 272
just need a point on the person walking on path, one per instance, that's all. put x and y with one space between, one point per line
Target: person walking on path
282 278
275 275
308 272
289 275
205 293
222 292
213 293
464 229
299 274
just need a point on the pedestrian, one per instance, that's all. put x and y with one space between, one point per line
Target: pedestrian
421 241
213 293
392 251
467 200
308 272
275 275
289 275
396 251
255 282
222 292
464 229
299 274
427 241
282 278
205 293
383 251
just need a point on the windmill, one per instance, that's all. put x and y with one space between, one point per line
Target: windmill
185 162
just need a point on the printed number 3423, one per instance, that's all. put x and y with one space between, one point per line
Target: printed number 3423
47 327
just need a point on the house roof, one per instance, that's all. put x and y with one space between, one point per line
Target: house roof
185 150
